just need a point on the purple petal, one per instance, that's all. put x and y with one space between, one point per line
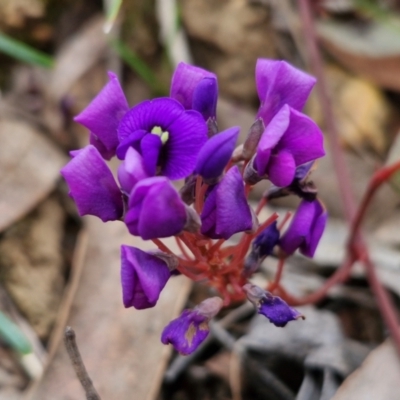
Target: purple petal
142 188
145 116
270 138
302 138
278 83
150 147
317 229
185 80
133 140
216 153
233 212
143 276
300 227
281 169
104 113
92 185
131 170
266 240
187 133
104 152
277 311
187 136
209 214
136 200
303 170
155 209
205 98
187 332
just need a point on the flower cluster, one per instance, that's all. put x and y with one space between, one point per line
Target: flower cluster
177 138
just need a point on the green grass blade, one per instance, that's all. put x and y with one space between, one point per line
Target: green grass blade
12 335
23 52
112 14
139 66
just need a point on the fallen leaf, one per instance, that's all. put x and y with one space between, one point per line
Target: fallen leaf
361 111
29 169
77 56
32 267
120 347
377 378
372 50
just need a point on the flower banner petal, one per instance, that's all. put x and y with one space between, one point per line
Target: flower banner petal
93 186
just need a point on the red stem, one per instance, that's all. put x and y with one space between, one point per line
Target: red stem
278 275
161 246
354 219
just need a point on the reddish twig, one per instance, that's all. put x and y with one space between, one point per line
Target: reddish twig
77 363
354 218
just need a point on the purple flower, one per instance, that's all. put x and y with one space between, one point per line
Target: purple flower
168 137
300 186
155 209
216 153
279 83
92 185
262 247
187 332
290 139
265 242
143 277
196 89
306 229
226 210
131 170
273 307
103 115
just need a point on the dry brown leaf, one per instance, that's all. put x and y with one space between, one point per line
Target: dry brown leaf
361 111
376 379
121 347
14 12
32 265
371 51
29 168
77 56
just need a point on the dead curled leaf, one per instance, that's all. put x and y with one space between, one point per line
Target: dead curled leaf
121 348
377 378
29 169
372 51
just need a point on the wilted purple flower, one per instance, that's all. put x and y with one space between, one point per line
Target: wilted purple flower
168 137
216 153
265 242
262 247
279 83
226 210
92 185
273 307
155 209
187 332
196 89
103 115
143 276
306 229
131 170
290 139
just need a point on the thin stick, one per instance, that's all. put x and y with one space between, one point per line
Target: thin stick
339 163
77 363
357 245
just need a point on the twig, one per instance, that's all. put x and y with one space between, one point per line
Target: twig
357 245
77 363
